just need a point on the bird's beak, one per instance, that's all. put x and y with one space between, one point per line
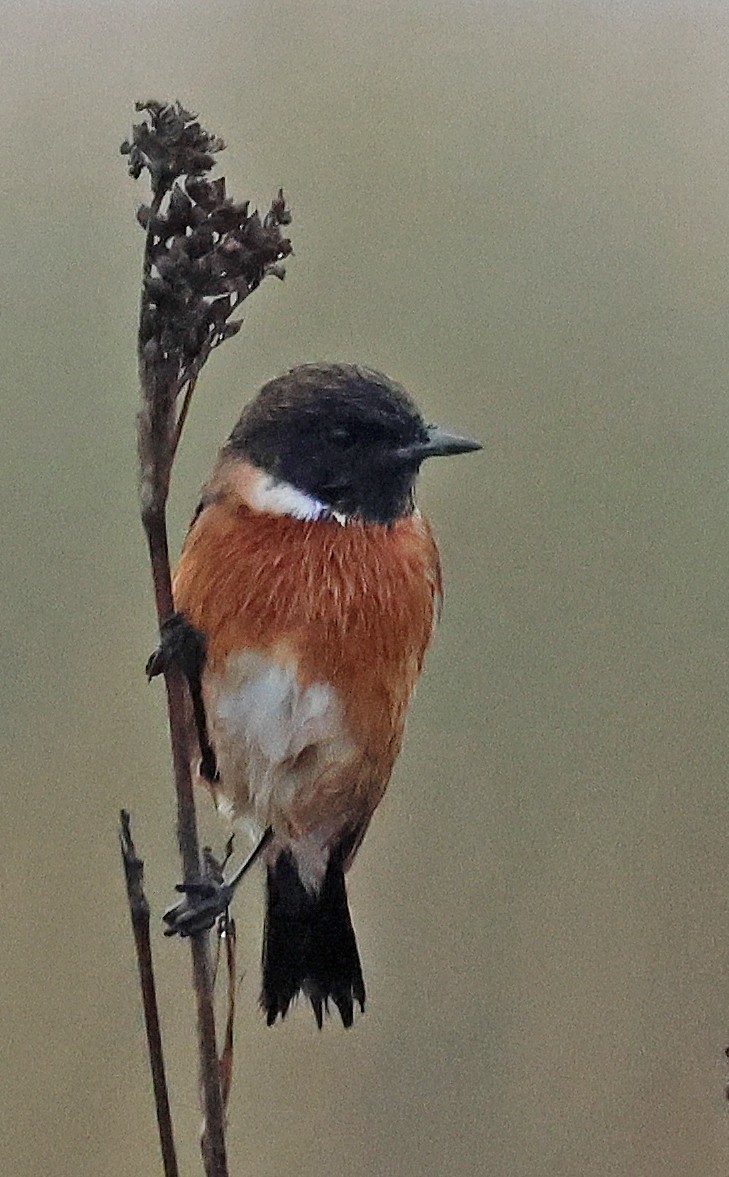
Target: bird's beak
439 443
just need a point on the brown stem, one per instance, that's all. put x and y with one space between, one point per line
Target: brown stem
180 323
214 1153
156 440
226 1058
139 912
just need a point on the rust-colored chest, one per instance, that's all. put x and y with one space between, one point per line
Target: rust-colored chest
352 606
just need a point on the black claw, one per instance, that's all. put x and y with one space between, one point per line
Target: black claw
155 664
205 890
203 904
182 645
209 767
207 899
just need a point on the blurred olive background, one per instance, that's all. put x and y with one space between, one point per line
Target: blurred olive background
521 211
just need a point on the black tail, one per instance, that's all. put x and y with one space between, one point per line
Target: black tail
309 944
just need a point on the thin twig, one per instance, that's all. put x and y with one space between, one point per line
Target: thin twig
139 912
182 416
228 937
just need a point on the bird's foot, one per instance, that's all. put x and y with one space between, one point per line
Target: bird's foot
205 900
202 905
183 646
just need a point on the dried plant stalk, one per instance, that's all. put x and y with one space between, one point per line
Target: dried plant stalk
139 912
203 256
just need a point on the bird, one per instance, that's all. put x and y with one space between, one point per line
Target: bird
314 585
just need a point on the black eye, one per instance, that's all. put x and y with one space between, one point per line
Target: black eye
341 435
366 434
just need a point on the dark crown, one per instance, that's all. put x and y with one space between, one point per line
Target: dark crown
346 435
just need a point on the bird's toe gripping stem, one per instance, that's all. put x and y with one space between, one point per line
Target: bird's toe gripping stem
207 899
182 645
202 904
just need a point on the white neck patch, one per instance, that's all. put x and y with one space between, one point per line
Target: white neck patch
281 498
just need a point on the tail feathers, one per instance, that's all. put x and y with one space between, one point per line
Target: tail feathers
309 944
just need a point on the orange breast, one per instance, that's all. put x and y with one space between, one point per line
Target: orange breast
354 606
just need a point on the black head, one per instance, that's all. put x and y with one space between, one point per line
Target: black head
346 435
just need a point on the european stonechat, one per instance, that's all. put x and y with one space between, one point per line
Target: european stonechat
315 584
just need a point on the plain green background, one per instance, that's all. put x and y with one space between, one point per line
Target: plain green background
521 211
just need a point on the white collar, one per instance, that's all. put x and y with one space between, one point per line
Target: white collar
277 497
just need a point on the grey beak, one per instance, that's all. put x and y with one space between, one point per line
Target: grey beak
439 443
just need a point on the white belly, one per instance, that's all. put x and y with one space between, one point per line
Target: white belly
271 736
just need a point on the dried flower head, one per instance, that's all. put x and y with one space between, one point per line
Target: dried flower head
171 144
204 255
